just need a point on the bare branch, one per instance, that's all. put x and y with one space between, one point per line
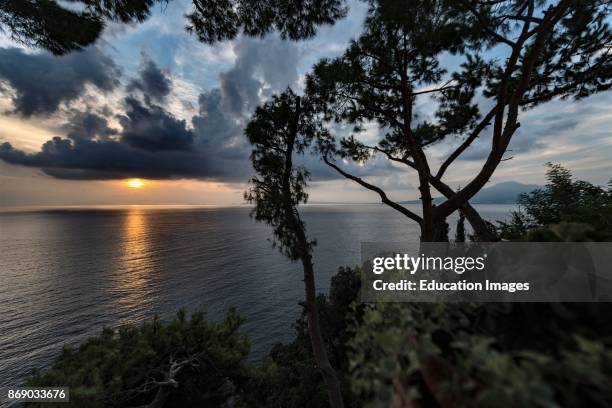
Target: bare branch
381 193
440 89
391 157
521 18
467 142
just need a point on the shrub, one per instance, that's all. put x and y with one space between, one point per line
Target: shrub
291 378
127 367
185 362
583 210
533 355
494 354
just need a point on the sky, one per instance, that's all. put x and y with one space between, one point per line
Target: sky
148 101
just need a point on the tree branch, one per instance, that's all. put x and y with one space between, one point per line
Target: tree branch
442 88
391 157
502 138
466 143
381 193
485 25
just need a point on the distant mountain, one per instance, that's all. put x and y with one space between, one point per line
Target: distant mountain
500 193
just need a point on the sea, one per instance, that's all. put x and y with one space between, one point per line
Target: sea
65 273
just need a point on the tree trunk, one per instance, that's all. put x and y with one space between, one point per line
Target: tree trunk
314 328
437 232
479 225
504 130
316 339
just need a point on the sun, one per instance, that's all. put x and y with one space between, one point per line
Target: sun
135 183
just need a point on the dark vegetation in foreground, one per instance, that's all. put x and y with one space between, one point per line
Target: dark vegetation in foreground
191 361
399 354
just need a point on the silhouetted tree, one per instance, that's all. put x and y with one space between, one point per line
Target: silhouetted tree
379 79
184 362
291 375
54 26
280 129
60 29
561 202
216 20
556 49
397 60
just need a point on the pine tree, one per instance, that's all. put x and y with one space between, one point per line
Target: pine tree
279 130
551 50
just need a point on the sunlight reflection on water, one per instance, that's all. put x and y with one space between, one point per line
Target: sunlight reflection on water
132 279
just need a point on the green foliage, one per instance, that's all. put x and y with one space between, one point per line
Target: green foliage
494 354
218 20
119 368
473 355
382 73
51 25
64 26
397 53
564 210
443 229
288 376
279 130
574 64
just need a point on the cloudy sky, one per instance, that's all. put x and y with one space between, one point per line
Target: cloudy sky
150 102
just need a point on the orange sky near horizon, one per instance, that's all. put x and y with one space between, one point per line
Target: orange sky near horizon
26 186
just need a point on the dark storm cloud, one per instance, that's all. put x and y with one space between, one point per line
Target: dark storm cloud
153 82
239 91
150 127
272 63
218 130
88 125
41 82
108 159
261 67
152 142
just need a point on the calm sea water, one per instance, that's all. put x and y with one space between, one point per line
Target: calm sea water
65 274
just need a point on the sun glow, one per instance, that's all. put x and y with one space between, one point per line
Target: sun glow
135 183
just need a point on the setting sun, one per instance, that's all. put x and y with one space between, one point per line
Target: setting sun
135 183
